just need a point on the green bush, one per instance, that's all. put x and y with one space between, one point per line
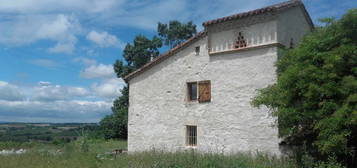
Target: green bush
315 97
16 145
331 163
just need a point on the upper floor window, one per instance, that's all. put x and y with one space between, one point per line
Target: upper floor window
241 42
192 91
291 45
200 91
197 50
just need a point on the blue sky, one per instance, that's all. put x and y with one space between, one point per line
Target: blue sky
56 56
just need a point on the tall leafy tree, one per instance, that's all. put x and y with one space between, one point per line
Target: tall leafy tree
315 97
175 32
114 126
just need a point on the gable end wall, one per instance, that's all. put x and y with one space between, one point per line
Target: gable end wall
159 110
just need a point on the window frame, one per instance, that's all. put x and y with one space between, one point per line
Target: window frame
189 91
191 135
197 50
198 93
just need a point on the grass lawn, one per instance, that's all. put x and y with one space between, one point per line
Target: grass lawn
91 155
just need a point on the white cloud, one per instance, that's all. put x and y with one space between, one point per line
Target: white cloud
44 83
54 111
146 14
62 30
44 63
10 92
98 71
27 21
62 48
109 88
47 92
85 61
46 6
26 29
138 14
104 39
77 91
46 102
59 29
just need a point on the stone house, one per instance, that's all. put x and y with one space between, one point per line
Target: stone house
198 94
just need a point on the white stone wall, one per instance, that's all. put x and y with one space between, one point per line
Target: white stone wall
158 110
254 34
292 24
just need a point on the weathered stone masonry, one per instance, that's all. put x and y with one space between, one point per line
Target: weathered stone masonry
160 111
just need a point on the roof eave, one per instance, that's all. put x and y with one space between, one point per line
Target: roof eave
164 56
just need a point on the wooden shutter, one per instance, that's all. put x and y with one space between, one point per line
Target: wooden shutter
204 93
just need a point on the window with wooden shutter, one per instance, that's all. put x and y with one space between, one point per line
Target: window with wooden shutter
192 91
204 93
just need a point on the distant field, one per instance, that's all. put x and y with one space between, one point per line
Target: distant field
12 125
67 128
44 132
41 125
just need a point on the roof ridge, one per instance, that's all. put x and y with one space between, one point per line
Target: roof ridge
163 56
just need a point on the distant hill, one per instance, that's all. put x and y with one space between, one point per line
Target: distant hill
45 132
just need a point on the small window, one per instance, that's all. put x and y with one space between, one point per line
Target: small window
200 91
291 45
197 50
192 91
191 135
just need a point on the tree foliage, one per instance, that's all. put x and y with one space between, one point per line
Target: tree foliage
114 125
175 32
315 97
135 56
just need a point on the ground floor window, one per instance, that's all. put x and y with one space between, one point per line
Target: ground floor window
191 135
